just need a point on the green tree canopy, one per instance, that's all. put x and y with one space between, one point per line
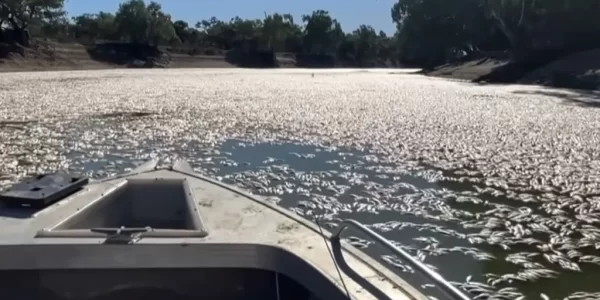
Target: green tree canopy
141 23
429 32
322 33
22 14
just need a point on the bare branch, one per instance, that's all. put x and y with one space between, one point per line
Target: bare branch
522 13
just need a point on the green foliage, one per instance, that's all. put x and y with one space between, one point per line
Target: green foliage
44 16
433 31
22 13
429 32
140 23
100 26
322 33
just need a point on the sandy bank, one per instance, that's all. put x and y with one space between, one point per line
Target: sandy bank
577 71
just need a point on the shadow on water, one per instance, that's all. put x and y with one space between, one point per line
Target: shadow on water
582 98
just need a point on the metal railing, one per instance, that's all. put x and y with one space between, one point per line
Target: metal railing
453 291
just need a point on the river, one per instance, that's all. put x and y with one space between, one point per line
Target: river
495 186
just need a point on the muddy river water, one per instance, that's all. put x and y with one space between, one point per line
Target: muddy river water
497 187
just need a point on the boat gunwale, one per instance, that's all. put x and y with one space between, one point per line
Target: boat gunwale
377 267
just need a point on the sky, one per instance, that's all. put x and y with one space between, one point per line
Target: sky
350 13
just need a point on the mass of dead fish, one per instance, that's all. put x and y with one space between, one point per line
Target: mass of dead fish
509 180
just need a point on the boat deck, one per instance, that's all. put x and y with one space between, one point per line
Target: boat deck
236 223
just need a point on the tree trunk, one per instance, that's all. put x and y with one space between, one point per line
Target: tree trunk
22 37
517 38
521 49
20 33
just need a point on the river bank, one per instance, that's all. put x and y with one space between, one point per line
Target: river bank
45 55
53 56
577 71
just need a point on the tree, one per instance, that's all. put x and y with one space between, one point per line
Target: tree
182 30
366 43
280 33
132 21
531 26
435 31
215 32
139 23
92 27
21 14
160 27
431 32
322 34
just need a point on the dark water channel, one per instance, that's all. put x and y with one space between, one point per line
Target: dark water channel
427 213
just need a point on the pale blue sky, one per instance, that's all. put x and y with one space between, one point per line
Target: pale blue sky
350 13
